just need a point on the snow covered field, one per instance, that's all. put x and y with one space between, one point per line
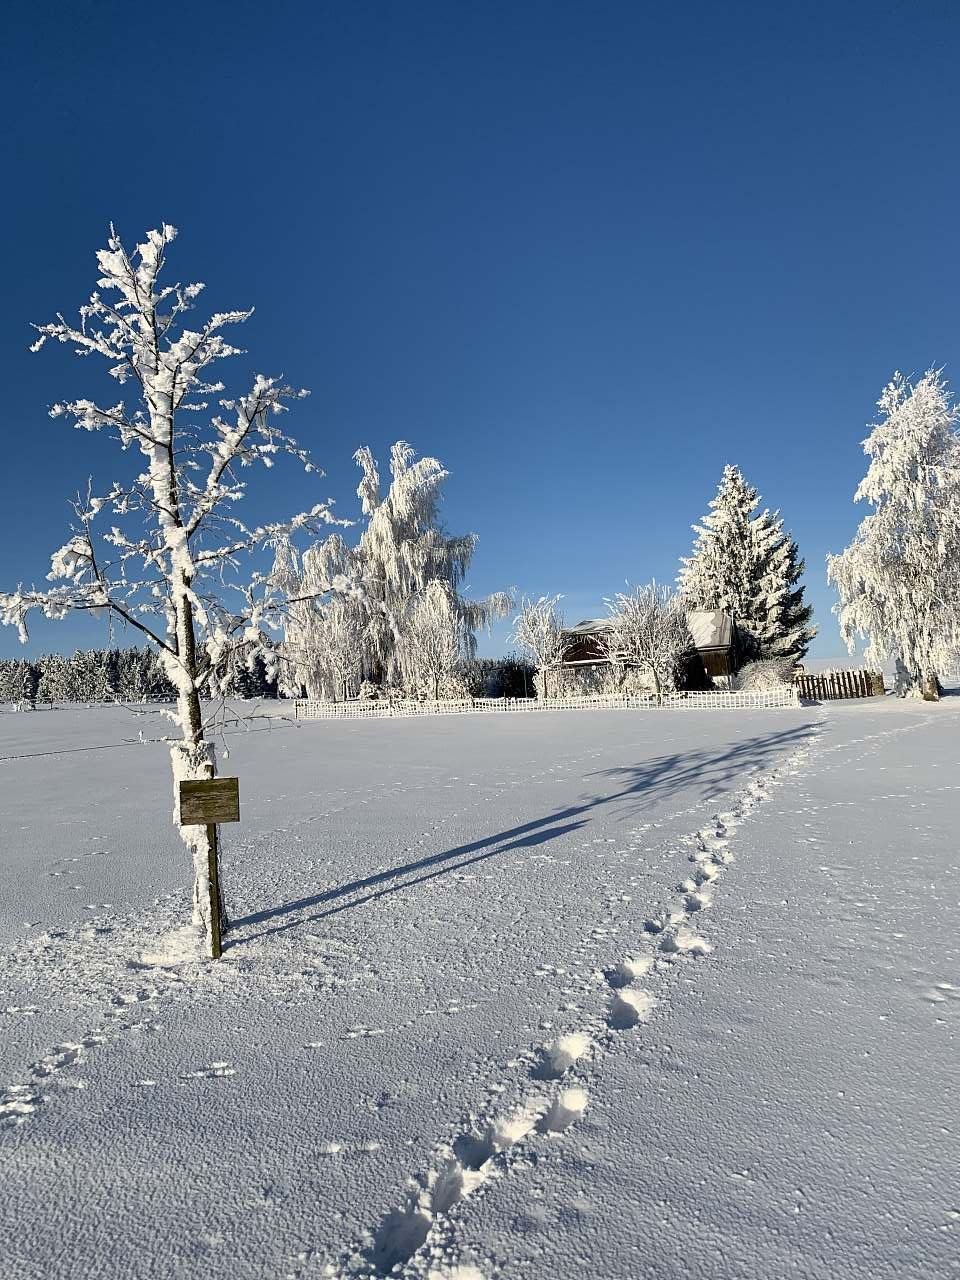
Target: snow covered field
605 994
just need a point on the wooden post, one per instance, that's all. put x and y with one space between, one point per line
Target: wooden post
206 802
213 874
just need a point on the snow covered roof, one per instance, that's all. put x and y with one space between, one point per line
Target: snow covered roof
589 627
709 628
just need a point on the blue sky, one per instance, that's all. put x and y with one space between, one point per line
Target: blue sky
584 253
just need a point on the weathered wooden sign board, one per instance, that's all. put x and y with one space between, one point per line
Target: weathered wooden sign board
206 802
209 800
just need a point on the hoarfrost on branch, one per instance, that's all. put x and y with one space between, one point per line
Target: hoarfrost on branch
161 549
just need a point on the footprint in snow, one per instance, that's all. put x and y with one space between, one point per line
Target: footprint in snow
628 970
628 1007
685 942
568 1106
559 1055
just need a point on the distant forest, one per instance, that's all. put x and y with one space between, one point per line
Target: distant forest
113 675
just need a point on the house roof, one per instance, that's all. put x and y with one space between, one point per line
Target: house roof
589 627
709 628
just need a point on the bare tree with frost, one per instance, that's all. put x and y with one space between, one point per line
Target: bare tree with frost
539 635
162 549
899 580
648 630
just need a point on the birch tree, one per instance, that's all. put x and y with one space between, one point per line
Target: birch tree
899 580
402 549
161 549
539 635
433 639
648 630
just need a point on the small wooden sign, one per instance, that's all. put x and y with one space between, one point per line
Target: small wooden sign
209 800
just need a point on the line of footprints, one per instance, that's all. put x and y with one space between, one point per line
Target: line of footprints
463 1166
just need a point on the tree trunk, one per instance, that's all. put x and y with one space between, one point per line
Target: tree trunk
657 687
193 758
931 687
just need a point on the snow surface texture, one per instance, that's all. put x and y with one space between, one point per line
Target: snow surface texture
552 996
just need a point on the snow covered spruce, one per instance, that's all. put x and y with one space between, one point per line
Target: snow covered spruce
899 580
162 549
747 565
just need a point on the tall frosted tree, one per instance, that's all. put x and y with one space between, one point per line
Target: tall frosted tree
402 549
433 639
899 580
161 548
745 563
539 634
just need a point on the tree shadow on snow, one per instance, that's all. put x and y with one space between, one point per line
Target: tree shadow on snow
526 841
707 772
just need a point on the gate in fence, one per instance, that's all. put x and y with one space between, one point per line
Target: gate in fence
827 685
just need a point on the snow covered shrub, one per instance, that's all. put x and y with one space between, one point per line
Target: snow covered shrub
767 673
635 681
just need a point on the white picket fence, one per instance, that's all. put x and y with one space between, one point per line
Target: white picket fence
785 696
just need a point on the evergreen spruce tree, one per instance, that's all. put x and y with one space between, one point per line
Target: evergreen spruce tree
53 683
746 564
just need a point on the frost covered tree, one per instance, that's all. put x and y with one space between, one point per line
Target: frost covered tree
746 564
167 559
19 682
648 630
402 548
899 580
53 684
781 617
329 659
539 635
433 639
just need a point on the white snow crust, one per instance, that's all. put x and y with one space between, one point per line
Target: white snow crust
575 994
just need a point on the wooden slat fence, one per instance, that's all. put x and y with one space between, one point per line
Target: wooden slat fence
825 686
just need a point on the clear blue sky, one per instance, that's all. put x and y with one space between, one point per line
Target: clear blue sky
584 253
